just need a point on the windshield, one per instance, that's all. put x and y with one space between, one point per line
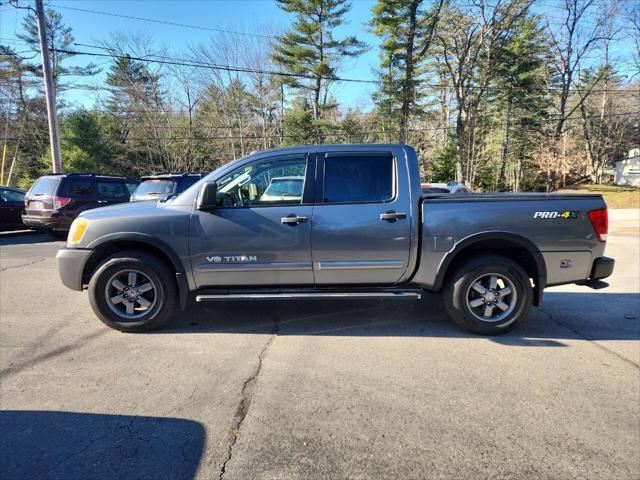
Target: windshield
155 187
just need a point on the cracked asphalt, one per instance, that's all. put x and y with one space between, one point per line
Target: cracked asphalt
310 389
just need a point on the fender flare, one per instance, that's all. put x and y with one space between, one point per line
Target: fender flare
181 277
519 240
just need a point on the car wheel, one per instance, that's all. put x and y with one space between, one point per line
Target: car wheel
133 292
488 295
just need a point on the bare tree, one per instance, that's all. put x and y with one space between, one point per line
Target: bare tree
468 43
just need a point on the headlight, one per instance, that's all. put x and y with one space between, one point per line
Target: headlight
77 230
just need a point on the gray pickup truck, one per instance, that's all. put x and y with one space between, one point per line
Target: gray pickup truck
333 221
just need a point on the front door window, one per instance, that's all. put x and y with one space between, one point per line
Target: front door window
267 183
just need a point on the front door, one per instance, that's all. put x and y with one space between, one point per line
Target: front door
361 229
260 234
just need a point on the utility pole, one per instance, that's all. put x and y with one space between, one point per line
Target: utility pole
49 90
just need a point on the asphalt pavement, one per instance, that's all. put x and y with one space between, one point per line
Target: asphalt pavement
318 389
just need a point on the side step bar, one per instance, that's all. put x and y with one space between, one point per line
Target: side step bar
206 297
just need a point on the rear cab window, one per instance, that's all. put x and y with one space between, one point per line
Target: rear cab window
358 178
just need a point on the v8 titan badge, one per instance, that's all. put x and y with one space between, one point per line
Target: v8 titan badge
566 214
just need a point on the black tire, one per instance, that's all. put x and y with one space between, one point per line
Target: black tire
459 290
157 273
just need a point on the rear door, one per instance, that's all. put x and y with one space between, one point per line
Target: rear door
77 194
110 192
11 207
361 230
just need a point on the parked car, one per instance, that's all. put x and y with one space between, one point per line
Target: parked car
11 207
360 229
54 201
451 187
283 189
160 187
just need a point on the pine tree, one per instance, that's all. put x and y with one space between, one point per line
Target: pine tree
309 49
521 80
406 28
59 37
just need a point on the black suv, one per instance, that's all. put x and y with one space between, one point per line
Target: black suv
162 186
54 201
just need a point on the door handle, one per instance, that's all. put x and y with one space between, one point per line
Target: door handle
292 219
392 216
102 201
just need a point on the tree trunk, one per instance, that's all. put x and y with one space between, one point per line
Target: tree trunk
505 143
460 147
407 84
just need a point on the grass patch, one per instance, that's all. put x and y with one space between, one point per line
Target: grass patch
614 195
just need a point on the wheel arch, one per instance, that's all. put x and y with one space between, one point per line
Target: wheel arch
113 243
515 247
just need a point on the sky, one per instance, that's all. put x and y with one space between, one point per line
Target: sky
236 15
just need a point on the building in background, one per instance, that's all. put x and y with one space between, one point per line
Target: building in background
628 170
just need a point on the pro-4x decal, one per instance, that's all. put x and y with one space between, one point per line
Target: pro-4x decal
566 214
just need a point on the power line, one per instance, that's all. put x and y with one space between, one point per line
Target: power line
238 69
164 22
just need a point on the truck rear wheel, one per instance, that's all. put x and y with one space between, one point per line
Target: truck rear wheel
488 295
133 292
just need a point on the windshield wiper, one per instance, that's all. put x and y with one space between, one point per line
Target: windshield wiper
168 197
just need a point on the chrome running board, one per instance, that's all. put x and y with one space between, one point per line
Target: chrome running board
204 297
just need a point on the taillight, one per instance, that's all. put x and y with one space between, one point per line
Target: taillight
600 221
59 202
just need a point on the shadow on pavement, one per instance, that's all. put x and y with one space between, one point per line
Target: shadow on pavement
9 238
63 445
563 315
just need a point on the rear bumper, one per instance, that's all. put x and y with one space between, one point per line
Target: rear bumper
52 221
71 262
602 268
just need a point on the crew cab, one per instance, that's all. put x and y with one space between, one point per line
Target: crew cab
358 226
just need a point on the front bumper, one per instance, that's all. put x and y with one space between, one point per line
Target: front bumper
71 262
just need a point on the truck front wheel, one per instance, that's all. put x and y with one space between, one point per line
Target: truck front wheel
133 292
488 294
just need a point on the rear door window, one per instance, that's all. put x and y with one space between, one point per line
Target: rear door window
45 186
112 189
358 179
77 187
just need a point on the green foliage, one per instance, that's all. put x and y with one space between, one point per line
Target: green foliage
443 166
352 129
82 144
299 127
406 29
310 49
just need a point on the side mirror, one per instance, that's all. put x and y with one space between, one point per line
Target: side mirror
208 198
